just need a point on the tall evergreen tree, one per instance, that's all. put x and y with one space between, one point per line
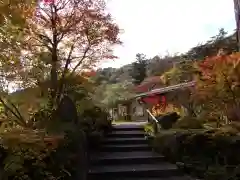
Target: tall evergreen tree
139 69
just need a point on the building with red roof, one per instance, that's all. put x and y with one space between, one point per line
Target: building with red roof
151 91
148 84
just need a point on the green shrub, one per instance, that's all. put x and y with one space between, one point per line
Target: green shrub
149 129
168 120
26 156
235 125
188 123
204 152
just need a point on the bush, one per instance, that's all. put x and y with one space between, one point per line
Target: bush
52 159
95 124
166 121
207 154
34 154
188 123
235 125
148 129
26 154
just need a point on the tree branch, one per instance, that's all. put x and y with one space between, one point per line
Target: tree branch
45 38
230 89
81 60
41 43
68 61
17 115
69 24
233 96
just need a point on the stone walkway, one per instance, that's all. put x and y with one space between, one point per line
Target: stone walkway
126 155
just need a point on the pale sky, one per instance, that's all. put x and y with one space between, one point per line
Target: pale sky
154 27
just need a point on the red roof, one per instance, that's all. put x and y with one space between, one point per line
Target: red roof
149 84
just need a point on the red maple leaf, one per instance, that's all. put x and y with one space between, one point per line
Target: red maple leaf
48 1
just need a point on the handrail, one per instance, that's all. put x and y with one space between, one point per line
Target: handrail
152 116
155 122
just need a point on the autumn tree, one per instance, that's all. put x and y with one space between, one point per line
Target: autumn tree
52 41
13 16
76 34
181 72
217 87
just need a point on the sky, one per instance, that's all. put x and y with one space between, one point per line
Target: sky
158 27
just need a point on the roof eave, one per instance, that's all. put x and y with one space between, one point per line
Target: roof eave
167 89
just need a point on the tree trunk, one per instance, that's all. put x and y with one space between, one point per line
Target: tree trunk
54 78
54 75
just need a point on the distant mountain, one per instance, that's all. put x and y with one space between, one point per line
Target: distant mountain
157 65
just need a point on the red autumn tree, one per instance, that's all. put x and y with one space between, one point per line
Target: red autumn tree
77 34
89 73
218 87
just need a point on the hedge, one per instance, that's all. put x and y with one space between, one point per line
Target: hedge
211 155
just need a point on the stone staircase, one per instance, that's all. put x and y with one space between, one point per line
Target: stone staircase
126 155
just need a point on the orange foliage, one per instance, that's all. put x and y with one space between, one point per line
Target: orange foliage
89 73
82 31
218 83
219 71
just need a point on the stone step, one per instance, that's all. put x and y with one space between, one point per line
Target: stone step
127 158
121 133
153 178
126 155
130 140
127 128
125 147
134 170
